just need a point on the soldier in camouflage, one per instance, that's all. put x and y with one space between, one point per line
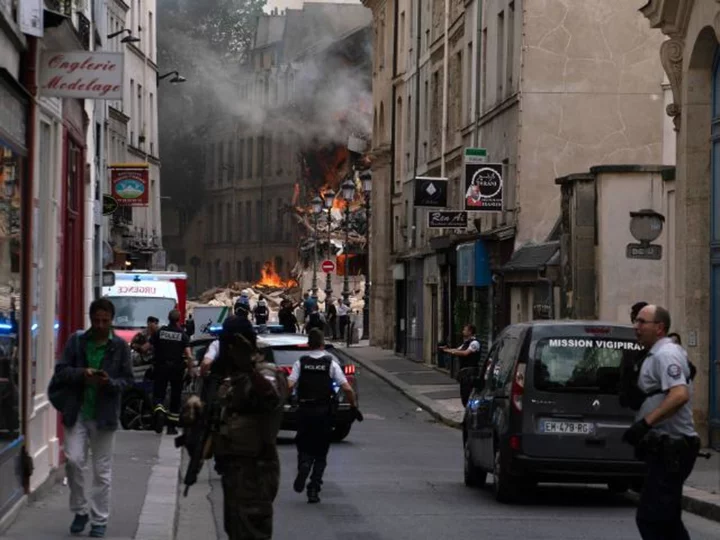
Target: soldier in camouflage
250 400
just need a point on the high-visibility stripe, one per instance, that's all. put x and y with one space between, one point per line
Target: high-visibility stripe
160 407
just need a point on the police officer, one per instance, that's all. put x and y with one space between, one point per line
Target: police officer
171 347
470 356
251 398
664 434
314 375
261 313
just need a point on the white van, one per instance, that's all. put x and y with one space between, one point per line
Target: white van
135 301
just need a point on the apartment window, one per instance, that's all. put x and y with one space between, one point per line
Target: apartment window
219 233
251 157
238 270
500 56
279 223
426 98
510 47
151 130
210 229
236 237
229 223
470 73
140 116
401 45
151 36
231 160
139 16
399 138
132 112
258 220
248 222
483 69
220 163
268 218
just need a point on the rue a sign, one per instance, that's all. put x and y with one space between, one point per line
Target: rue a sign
649 252
448 219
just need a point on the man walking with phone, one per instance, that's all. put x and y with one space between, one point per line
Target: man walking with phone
86 388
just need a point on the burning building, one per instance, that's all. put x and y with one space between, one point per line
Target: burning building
293 104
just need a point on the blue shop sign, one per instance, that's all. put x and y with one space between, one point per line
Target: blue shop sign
473 265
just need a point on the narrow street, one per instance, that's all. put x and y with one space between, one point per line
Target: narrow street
399 476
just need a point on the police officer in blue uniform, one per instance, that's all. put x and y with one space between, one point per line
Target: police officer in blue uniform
314 375
664 434
171 356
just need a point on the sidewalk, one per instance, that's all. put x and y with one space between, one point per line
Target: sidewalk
144 495
439 394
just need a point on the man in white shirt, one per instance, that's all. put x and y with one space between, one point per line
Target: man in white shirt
343 312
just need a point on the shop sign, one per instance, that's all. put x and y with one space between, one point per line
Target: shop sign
82 74
30 17
483 187
129 184
430 192
448 219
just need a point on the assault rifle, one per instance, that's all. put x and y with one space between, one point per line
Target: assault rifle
196 438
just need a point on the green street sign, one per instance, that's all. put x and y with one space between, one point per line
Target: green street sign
109 205
476 155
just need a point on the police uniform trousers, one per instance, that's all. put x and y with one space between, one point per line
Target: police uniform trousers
168 373
659 514
250 486
314 433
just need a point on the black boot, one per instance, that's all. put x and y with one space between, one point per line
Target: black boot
313 495
302 475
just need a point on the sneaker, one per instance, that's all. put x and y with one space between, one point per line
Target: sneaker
97 531
159 421
79 523
172 430
301 478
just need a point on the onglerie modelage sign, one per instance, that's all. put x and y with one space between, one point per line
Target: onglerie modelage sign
82 74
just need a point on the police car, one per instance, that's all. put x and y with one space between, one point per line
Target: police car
545 408
284 350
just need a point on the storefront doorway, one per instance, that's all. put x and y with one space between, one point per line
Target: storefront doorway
714 367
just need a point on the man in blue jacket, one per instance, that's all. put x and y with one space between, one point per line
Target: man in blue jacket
87 387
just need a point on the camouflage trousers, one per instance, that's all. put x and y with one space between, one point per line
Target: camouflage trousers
249 489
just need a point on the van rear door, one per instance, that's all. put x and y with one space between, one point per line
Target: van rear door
573 408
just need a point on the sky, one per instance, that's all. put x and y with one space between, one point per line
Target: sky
297 4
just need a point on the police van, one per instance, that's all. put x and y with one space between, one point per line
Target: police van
545 408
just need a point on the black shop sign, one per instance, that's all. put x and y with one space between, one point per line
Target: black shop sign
431 192
483 187
449 219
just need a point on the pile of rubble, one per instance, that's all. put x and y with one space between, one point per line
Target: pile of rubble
226 296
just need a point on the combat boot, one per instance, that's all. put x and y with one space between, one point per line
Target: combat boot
313 495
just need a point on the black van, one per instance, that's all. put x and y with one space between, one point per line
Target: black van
545 408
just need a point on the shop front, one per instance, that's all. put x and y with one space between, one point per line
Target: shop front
13 237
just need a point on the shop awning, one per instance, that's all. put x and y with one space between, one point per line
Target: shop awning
533 257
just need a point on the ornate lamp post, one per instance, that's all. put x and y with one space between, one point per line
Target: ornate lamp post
317 205
348 193
329 200
366 179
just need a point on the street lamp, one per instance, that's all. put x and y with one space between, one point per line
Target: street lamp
176 79
366 179
316 205
328 200
127 39
348 194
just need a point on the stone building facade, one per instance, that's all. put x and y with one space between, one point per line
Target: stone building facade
690 55
548 89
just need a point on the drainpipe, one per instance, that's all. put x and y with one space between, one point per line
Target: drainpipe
478 69
417 90
446 55
30 83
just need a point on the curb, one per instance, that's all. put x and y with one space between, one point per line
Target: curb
695 501
161 499
427 404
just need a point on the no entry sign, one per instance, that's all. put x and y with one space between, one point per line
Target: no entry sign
328 266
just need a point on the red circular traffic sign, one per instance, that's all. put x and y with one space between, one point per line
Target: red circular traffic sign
328 266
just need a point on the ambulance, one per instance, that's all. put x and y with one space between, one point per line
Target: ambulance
139 294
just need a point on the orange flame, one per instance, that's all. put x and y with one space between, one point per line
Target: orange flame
343 261
270 278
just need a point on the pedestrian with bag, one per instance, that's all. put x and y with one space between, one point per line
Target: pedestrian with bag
664 434
86 388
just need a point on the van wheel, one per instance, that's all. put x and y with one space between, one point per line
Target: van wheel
504 485
474 477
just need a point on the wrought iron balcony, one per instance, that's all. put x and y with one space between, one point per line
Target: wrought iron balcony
60 6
